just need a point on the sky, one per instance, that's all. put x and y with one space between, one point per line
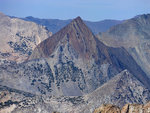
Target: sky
93 10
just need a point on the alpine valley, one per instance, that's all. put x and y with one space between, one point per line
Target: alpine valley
74 71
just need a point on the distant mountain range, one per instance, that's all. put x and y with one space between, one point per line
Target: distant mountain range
54 25
73 71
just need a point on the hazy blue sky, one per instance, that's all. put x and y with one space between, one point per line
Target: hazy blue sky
93 10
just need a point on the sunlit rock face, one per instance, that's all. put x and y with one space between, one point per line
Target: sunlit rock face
128 108
19 38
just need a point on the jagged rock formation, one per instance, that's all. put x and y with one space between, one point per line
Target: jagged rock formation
133 108
107 109
128 108
134 35
19 38
54 25
76 36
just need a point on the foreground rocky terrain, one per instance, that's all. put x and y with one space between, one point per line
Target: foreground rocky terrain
128 108
18 38
71 72
134 35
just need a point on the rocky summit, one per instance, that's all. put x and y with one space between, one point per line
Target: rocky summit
76 35
70 72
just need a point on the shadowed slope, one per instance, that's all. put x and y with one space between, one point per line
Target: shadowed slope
134 35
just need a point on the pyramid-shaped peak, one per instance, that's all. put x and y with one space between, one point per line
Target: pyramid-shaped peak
77 20
80 37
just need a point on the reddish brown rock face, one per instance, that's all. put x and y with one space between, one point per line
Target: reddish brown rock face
78 35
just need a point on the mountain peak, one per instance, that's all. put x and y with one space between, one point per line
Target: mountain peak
78 23
79 37
77 19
